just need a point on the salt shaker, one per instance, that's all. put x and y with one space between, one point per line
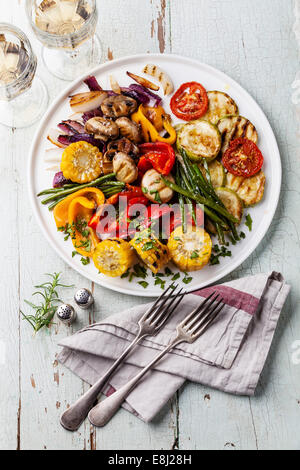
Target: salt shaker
83 298
66 313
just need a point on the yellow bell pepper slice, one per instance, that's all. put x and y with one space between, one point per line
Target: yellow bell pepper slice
84 238
162 121
61 210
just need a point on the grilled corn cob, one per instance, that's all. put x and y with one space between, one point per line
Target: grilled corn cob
150 250
113 257
190 251
81 162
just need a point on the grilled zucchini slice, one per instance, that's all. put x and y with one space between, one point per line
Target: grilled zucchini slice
150 250
113 257
190 251
217 173
220 105
233 182
231 201
234 127
250 190
200 139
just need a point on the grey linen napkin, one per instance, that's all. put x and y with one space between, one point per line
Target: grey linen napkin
229 356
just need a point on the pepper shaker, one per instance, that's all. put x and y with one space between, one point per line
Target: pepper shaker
83 298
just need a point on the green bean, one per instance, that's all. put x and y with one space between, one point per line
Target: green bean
66 192
200 200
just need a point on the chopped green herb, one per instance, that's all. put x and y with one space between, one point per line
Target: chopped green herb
140 271
217 253
126 274
187 280
131 276
145 190
144 284
194 255
148 246
160 282
168 271
175 277
85 260
74 253
249 222
242 235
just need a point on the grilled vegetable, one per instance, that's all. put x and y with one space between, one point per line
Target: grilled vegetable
190 101
142 81
217 173
153 122
150 250
220 105
121 145
114 85
231 201
128 129
61 210
124 168
200 139
243 158
190 251
102 128
155 189
83 237
250 190
161 76
113 257
53 155
81 162
118 106
84 102
233 127
53 136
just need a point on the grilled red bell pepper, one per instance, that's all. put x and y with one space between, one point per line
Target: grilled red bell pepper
157 155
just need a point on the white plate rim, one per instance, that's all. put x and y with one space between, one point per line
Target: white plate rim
149 57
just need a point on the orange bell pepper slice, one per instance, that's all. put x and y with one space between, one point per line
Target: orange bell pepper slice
61 210
83 237
161 121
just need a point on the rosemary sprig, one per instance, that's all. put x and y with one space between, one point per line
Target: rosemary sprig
44 311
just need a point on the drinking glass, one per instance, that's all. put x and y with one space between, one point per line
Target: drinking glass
66 28
23 97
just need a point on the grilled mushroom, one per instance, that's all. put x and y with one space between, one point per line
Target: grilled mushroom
118 105
129 129
122 145
102 128
124 168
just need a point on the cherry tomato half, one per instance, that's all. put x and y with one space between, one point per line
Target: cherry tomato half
190 101
243 158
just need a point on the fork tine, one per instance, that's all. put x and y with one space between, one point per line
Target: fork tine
198 316
153 307
196 310
208 320
202 319
166 312
160 308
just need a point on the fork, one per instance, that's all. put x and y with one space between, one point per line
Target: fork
193 326
149 325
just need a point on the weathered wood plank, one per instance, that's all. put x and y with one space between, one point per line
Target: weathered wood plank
9 331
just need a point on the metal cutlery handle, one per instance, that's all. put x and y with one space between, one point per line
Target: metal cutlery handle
105 410
72 418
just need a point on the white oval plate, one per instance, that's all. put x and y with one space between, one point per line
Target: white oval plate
180 70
